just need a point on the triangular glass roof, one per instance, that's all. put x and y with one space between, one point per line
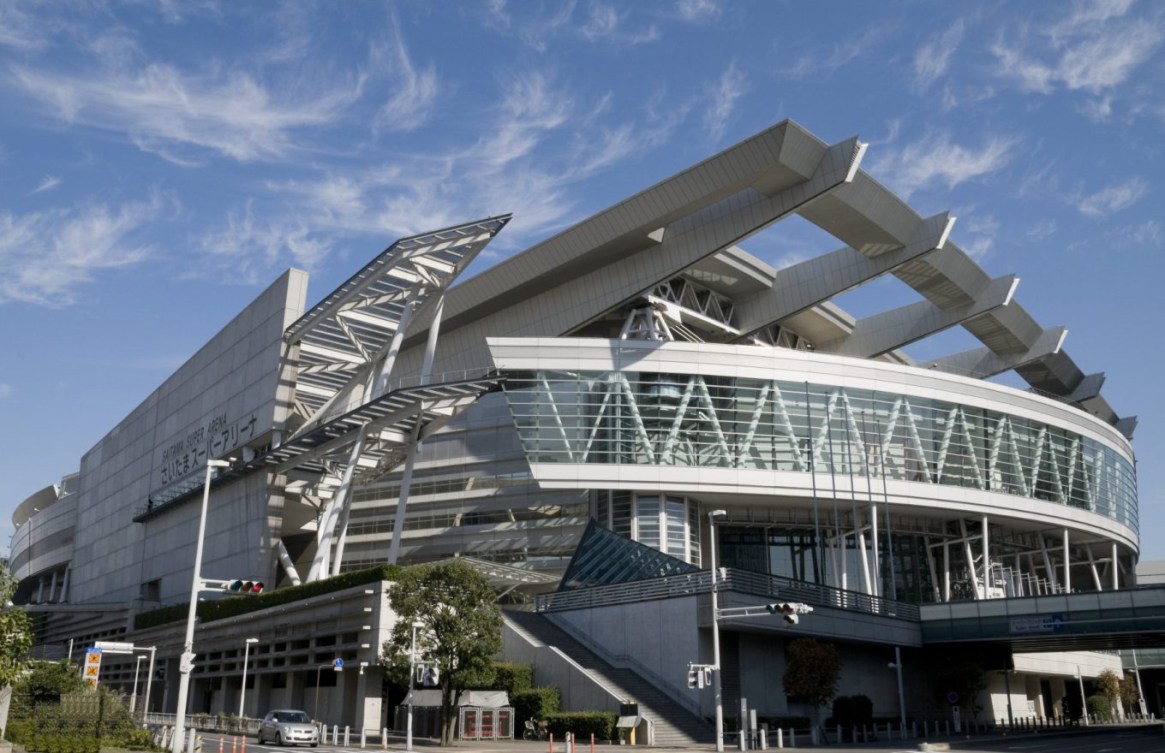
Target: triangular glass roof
604 557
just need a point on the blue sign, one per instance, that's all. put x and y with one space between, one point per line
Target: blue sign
1051 623
338 664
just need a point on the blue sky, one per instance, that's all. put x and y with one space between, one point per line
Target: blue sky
161 162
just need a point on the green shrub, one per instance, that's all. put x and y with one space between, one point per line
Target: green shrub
513 678
209 611
535 703
583 724
1099 707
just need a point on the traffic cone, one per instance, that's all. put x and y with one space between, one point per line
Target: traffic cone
220 744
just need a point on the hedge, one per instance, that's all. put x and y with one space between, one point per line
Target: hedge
535 703
583 724
209 611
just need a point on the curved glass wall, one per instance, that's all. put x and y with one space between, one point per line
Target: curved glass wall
729 422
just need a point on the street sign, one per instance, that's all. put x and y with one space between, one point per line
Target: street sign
114 647
952 697
92 669
338 665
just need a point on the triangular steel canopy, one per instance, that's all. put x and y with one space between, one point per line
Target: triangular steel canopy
344 335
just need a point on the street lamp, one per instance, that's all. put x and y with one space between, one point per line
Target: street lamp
133 699
716 684
243 688
409 697
336 666
186 662
897 665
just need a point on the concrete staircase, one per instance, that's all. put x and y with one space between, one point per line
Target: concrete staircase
674 725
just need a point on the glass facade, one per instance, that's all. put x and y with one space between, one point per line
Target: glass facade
729 422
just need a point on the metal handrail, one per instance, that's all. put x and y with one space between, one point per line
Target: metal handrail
741 581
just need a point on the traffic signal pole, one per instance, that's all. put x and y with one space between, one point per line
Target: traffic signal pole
186 662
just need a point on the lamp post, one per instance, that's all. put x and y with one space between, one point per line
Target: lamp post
316 711
716 683
409 697
1083 699
897 665
186 662
243 688
133 699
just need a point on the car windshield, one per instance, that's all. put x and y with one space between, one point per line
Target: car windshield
292 717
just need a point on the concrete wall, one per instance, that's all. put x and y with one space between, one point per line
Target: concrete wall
552 668
222 399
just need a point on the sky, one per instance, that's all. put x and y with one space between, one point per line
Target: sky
163 162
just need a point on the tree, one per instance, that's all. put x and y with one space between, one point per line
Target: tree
15 640
1130 694
812 669
1108 684
460 633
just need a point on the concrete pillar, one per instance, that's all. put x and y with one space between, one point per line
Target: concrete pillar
368 704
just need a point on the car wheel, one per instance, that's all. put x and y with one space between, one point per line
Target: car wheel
278 738
260 736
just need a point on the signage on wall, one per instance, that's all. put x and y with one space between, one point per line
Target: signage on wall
215 438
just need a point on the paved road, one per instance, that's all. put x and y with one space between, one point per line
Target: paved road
1133 739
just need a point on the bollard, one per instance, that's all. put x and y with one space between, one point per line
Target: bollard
190 738
347 733
780 737
551 738
914 729
792 738
243 744
948 727
764 738
234 745
220 744
363 738
839 740
592 742
384 738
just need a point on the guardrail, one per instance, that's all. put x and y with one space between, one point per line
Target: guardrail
741 581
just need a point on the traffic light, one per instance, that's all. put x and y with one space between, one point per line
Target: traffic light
790 611
693 678
244 587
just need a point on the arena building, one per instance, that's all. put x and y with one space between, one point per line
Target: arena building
639 383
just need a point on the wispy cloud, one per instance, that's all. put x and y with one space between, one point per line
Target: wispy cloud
932 60
250 245
1148 234
593 21
698 11
1112 199
48 183
842 53
160 108
936 160
414 91
1040 231
18 29
1096 47
723 95
5 390
48 256
977 232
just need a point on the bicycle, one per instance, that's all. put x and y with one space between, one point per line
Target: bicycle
535 730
